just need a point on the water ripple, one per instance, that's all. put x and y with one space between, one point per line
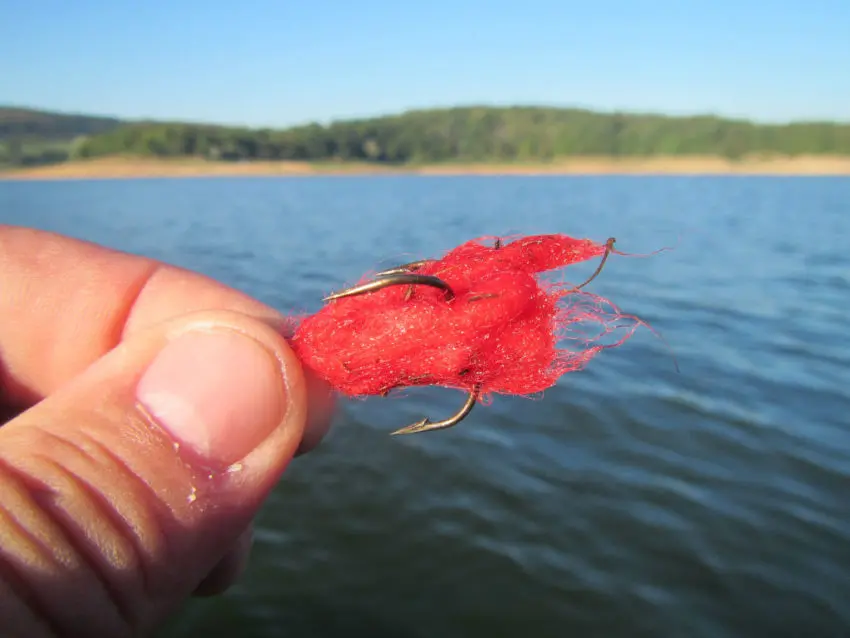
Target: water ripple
632 499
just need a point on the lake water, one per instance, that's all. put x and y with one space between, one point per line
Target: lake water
633 500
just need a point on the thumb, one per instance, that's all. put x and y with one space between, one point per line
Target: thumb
123 490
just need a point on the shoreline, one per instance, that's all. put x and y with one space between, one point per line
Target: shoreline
138 168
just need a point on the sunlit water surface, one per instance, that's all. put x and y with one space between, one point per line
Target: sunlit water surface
631 500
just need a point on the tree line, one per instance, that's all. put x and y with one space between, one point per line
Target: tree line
23 123
473 134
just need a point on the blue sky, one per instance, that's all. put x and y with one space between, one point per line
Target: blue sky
275 63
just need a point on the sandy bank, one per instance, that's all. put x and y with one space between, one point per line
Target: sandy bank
113 168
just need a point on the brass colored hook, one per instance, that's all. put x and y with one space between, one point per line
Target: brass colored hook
609 246
397 279
425 425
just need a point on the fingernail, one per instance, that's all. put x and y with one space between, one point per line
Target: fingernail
220 393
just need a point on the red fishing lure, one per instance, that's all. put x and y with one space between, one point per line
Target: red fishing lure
478 319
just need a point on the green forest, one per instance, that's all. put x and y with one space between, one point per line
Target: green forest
463 134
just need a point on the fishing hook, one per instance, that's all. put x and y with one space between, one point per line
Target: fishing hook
426 425
394 279
609 247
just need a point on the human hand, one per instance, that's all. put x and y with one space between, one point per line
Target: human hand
150 412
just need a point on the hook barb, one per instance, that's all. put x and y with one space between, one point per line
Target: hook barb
426 425
403 268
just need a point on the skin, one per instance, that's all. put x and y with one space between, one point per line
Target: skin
97 535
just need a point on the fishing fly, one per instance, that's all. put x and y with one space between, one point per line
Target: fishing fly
480 319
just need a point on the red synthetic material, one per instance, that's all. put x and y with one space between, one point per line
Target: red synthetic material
500 331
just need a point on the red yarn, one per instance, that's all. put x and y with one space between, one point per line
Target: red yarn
500 332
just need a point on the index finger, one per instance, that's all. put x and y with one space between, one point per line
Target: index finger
64 303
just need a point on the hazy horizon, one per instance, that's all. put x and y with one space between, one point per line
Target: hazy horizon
377 115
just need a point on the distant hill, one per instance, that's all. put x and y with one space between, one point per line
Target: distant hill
467 134
28 124
478 134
